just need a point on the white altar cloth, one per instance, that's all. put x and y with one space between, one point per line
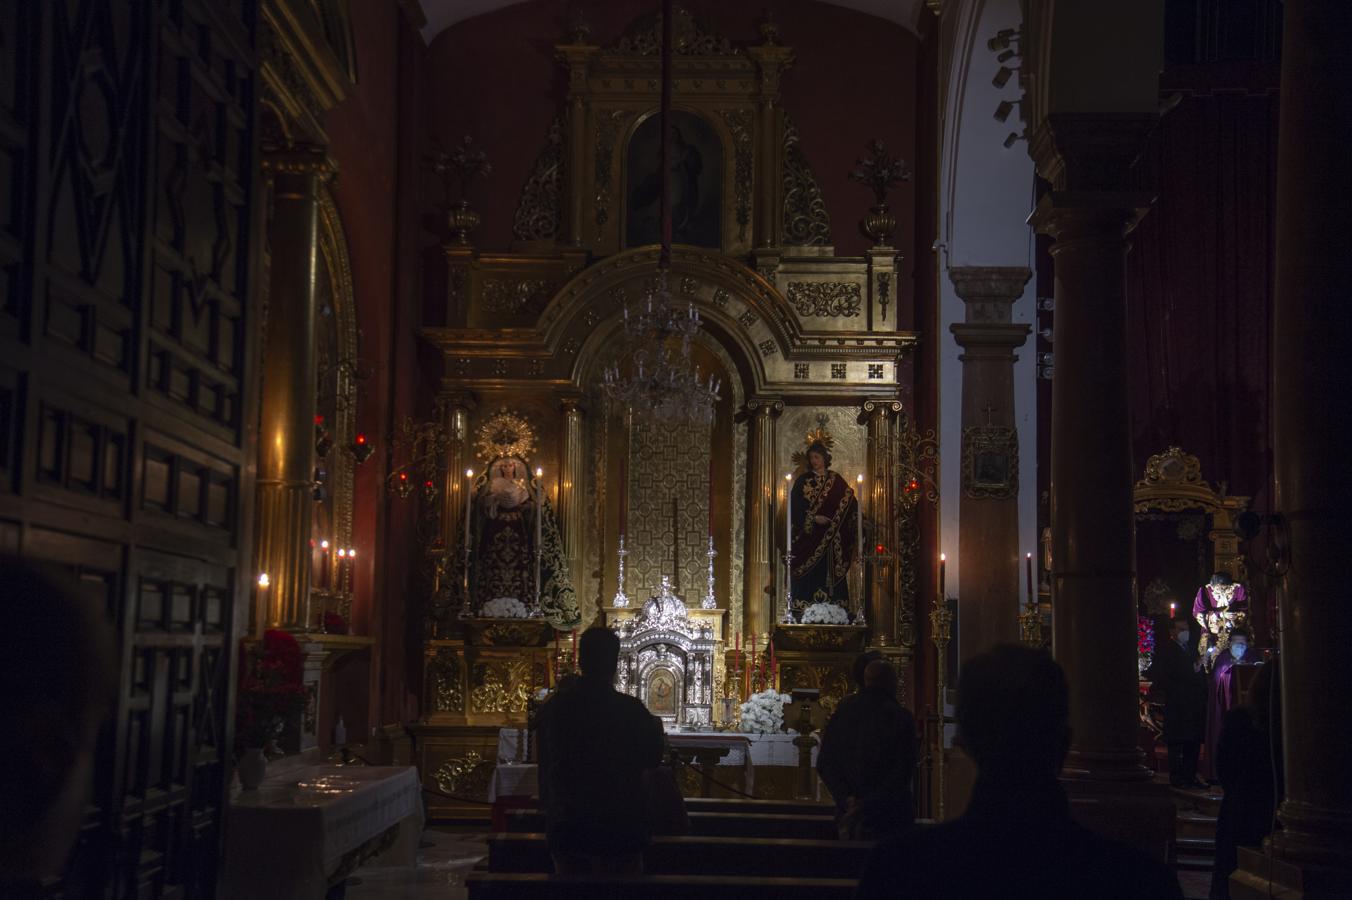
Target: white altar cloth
286 839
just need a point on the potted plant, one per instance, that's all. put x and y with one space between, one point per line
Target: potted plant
271 692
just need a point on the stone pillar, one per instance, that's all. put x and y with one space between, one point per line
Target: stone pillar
880 489
572 472
286 438
762 482
1089 212
1311 407
988 514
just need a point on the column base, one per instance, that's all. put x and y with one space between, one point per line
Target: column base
1261 876
1141 815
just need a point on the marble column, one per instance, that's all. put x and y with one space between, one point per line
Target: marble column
1089 212
1311 407
880 418
988 515
286 438
572 472
762 555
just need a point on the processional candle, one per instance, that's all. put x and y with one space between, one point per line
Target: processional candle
942 597
469 505
539 518
324 563
859 519
1032 598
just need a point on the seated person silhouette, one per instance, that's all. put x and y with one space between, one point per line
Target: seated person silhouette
60 682
1016 837
595 743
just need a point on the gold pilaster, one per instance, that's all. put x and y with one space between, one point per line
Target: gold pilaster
286 433
761 559
575 57
454 409
880 416
772 61
572 469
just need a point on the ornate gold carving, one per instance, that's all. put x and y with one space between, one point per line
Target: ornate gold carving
505 434
443 682
299 160
690 37
739 123
990 462
540 210
918 461
806 221
821 637
608 128
514 296
466 776
1179 476
826 298
508 632
501 686
832 681
884 291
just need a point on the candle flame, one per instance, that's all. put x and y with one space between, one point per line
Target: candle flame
539 471
859 478
788 476
942 557
342 551
469 473
324 545
263 580
351 552
1030 556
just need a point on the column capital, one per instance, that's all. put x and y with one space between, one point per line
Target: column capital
989 291
299 159
1074 215
572 403
764 407
995 339
1090 151
453 396
878 408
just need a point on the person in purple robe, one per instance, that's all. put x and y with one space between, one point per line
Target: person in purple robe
1219 607
1224 693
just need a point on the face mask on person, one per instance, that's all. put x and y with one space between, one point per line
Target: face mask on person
1184 637
1237 650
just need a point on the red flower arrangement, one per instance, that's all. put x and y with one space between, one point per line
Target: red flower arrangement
1145 636
271 688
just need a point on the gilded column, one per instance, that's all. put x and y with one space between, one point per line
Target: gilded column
573 470
988 512
761 557
772 60
575 56
1311 407
880 417
1089 215
286 440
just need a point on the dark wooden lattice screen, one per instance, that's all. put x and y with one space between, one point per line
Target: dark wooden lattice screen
127 161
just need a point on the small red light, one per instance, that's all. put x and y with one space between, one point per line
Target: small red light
880 548
361 439
319 420
427 484
403 476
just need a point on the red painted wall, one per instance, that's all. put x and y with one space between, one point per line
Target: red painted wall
494 77
371 134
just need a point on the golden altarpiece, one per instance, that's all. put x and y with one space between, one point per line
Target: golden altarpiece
803 340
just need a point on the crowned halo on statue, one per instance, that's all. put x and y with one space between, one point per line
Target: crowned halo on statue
823 516
517 564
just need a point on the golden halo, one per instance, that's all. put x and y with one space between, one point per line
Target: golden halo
505 434
814 436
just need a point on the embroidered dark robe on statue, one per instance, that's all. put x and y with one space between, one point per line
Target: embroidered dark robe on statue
822 554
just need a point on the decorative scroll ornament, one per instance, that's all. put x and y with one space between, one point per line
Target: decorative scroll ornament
691 37
806 221
739 123
539 211
824 299
505 434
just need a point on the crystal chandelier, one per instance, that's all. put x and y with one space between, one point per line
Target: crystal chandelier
655 376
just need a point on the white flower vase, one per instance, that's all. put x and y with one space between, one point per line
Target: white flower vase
252 768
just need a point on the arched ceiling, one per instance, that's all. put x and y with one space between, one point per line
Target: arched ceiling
442 14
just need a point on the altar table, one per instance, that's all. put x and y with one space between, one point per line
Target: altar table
306 828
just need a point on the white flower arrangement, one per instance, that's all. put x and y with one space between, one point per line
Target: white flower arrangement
763 713
825 614
542 695
504 608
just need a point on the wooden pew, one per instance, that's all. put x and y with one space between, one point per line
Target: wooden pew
669 855
820 827
511 886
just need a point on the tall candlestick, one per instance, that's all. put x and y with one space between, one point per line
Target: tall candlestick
539 519
624 495
753 656
788 513
342 569
1028 560
859 518
737 656
943 598
351 566
711 495
469 507
324 562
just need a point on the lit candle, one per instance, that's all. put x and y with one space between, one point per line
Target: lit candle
1032 598
341 566
859 520
469 505
539 518
788 513
351 566
942 596
1172 608
324 563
